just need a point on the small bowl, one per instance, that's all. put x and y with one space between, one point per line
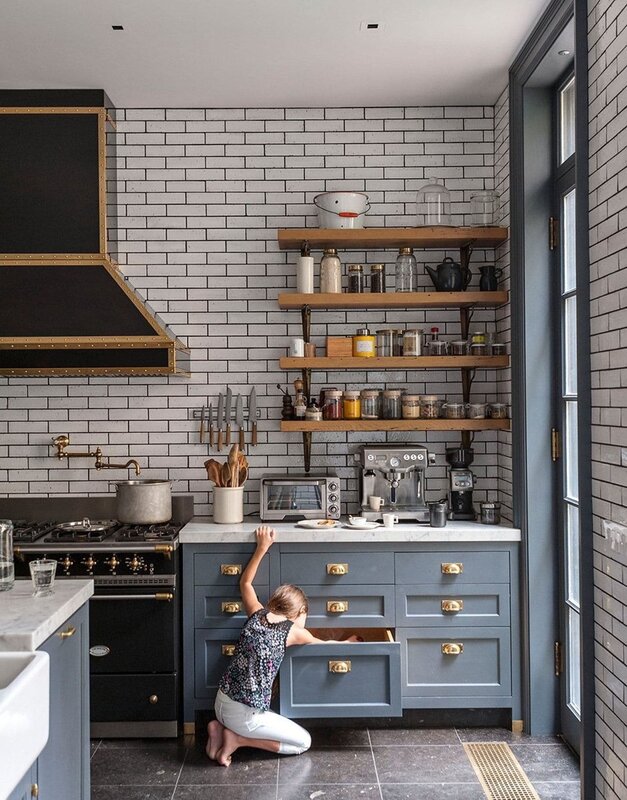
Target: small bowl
359 522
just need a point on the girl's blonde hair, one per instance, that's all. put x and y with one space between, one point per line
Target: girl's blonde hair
289 601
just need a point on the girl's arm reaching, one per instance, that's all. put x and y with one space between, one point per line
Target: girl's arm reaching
265 538
299 635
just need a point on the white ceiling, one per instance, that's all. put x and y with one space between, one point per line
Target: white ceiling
266 53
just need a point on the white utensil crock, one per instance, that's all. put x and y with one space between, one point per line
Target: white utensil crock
228 504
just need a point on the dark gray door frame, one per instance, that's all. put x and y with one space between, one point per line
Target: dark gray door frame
531 414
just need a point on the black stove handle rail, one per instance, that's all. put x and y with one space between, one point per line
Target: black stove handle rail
164 596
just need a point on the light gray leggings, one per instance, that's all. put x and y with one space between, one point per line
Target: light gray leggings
253 723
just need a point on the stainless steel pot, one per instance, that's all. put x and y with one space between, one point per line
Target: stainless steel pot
143 502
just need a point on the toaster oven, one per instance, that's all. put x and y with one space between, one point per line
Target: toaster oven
300 496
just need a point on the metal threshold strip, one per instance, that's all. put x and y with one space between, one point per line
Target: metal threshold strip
500 774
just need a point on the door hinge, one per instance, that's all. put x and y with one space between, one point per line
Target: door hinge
558 664
556 445
553 232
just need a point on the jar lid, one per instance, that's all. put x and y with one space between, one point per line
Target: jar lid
413 332
429 398
363 332
411 398
477 405
385 331
377 267
352 394
454 405
490 505
355 267
332 393
370 392
392 392
498 405
330 251
406 251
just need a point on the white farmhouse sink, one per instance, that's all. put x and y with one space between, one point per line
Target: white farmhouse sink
24 695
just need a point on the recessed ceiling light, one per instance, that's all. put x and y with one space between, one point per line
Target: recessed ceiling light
563 52
118 27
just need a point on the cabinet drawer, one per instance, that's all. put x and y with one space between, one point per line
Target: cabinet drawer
225 569
360 679
145 697
350 606
221 607
481 670
433 605
337 569
451 567
211 659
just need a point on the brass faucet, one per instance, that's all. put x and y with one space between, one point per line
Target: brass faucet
61 442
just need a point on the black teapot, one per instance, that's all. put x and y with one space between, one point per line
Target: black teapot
449 276
489 280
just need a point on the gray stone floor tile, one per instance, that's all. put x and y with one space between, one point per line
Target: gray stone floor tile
144 764
339 737
432 791
424 764
390 737
329 766
252 767
503 735
557 790
225 792
547 762
131 792
322 791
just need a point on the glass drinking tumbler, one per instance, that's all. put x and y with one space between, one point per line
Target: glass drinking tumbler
42 572
7 570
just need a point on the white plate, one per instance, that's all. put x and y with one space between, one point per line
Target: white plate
318 524
367 527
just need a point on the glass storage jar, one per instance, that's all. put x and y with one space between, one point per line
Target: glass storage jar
355 278
459 348
370 403
497 410
385 342
410 406
438 348
391 404
330 272
476 410
498 349
332 408
430 406
454 410
351 403
477 349
322 395
406 271
397 349
412 343
490 513
377 278
484 208
364 345
433 205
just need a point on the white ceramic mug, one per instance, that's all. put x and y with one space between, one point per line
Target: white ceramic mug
297 348
375 503
389 520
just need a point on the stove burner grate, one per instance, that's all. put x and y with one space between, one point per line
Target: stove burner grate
25 532
147 533
76 536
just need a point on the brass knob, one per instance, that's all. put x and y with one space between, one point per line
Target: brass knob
112 562
228 650
452 648
66 563
230 569
153 699
231 607
68 633
452 606
337 569
135 563
90 562
339 667
452 569
337 606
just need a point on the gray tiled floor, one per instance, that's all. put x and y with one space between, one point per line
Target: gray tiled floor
343 764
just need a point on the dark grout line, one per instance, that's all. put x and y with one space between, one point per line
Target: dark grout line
178 777
95 750
374 763
278 767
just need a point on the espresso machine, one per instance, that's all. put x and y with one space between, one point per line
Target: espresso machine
396 473
461 482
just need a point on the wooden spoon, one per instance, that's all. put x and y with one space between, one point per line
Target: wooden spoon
233 463
242 475
213 471
225 473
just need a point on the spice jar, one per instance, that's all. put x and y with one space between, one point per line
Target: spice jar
391 404
478 349
370 403
438 348
364 344
459 348
355 278
352 404
323 392
385 342
332 408
410 406
476 410
430 406
397 349
497 410
330 272
490 513
478 337
377 278
412 343
454 410
313 413
498 349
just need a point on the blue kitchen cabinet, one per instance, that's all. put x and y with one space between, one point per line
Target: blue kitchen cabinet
28 787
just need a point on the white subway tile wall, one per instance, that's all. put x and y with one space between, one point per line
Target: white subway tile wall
200 195
607 80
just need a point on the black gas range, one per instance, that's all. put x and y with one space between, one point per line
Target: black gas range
135 612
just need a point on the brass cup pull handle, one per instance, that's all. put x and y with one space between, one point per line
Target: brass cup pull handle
230 569
228 650
456 568
452 648
452 606
337 606
231 607
153 699
339 667
34 790
69 632
337 569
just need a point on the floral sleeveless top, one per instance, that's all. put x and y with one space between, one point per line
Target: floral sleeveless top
258 655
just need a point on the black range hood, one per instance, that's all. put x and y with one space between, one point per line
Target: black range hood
65 308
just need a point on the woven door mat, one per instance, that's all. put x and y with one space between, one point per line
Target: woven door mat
499 772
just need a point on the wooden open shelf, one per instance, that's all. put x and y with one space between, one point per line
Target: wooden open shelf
292 426
372 300
388 238
396 362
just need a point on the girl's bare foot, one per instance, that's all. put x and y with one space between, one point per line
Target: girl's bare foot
215 730
230 743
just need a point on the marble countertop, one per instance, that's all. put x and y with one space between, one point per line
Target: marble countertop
26 621
204 531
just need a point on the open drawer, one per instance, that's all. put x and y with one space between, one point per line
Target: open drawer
352 679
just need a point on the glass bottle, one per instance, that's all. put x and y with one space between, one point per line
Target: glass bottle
352 404
434 205
364 345
300 402
355 278
391 404
7 570
330 272
370 403
406 270
332 408
377 278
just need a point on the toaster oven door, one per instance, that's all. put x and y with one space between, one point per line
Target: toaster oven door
289 499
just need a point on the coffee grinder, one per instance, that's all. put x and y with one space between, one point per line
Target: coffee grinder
461 482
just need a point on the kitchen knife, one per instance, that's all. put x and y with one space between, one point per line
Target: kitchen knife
227 414
211 437
201 435
239 419
220 419
252 415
